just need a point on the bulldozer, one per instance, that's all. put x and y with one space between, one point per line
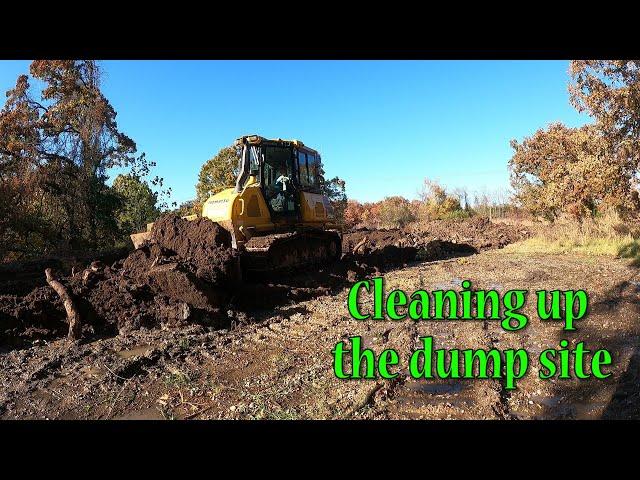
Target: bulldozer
276 213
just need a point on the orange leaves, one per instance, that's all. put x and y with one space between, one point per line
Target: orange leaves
65 137
353 213
572 170
609 90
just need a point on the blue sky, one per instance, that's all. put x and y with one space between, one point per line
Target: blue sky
381 125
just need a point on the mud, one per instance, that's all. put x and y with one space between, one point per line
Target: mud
470 234
20 277
277 364
181 276
156 347
187 273
36 316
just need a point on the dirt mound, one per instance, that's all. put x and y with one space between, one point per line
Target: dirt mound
38 315
187 273
369 251
182 275
190 239
478 232
475 233
20 277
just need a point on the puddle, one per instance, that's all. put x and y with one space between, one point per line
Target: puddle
135 351
92 371
550 402
370 341
419 394
591 410
436 388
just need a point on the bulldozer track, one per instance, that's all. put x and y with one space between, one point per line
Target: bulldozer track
286 251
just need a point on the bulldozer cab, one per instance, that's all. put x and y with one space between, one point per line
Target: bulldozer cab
278 181
283 169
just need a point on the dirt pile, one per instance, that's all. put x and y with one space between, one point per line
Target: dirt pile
478 232
187 273
182 275
38 314
20 277
190 261
436 237
369 251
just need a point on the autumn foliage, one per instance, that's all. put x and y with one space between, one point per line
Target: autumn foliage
56 145
586 171
218 173
571 170
434 203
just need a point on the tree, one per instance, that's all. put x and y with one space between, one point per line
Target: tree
353 213
436 202
493 203
395 212
218 173
58 143
571 170
371 213
138 203
609 90
335 190
189 207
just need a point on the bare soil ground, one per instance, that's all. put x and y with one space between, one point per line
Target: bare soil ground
271 357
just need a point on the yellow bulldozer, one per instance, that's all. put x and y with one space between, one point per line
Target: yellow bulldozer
277 214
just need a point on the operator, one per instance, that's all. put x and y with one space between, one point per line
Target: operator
283 179
278 203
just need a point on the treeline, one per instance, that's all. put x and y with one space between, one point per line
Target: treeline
434 202
58 138
584 172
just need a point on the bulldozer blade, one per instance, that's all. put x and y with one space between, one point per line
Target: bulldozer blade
139 238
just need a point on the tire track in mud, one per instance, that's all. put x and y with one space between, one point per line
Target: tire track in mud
436 397
279 361
501 408
386 390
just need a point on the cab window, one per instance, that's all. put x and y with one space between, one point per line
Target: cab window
312 165
254 159
303 170
277 178
276 164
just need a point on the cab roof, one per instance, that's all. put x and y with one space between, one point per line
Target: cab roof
258 140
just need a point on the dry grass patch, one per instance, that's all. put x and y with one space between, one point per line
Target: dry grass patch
604 235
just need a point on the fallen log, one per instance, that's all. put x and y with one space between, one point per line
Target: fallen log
73 314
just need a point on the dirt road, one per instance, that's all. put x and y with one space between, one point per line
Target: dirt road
278 365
